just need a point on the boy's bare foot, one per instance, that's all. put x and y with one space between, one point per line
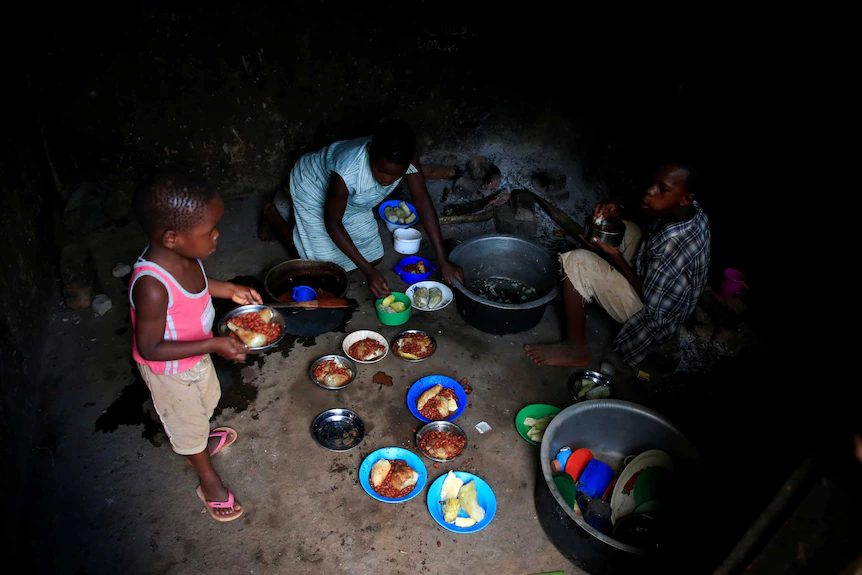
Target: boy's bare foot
265 231
217 492
560 354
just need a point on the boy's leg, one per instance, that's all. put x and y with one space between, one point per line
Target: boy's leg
185 403
588 277
211 484
209 391
631 241
574 352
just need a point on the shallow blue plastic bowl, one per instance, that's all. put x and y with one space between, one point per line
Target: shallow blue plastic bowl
428 382
413 278
484 493
393 453
381 209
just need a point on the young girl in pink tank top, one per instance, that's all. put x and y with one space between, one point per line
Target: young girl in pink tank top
172 316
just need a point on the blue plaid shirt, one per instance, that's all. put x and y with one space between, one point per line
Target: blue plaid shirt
672 263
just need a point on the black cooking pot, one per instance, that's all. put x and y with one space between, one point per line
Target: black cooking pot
281 280
505 257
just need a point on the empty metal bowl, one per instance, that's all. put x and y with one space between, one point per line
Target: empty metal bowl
599 379
344 361
224 331
446 426
338 430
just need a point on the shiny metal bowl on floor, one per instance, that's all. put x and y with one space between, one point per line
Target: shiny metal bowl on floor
408 332
576 379
338 430
445 426
340 359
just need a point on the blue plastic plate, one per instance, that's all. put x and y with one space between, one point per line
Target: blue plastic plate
393 453
487 501
382 208
428 382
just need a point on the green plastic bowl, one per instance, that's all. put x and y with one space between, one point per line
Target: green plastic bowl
394 318
536 411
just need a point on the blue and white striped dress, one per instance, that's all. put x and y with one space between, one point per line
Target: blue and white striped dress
309 185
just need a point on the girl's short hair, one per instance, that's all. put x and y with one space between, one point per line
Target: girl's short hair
394 141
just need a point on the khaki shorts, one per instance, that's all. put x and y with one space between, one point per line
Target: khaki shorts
185 403
595 278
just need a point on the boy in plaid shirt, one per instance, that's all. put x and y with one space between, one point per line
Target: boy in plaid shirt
650 286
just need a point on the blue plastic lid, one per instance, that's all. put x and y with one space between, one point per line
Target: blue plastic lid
595 478
304 293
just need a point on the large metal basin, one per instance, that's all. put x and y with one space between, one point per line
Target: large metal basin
281 280
509 257
613 429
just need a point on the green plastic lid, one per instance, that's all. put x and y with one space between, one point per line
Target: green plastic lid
566 486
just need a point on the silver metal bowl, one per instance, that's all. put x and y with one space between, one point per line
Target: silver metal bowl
338 430
344 361
224 331
613 429
611 233
575 382
446 426
403 333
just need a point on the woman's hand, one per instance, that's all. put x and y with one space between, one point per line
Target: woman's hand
608 209
229 348
377 283
450 270
244 295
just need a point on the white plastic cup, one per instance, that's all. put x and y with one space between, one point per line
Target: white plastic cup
407 240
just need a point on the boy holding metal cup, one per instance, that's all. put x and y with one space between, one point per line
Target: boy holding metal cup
651 287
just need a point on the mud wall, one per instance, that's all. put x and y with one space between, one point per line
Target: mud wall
29 288
237 92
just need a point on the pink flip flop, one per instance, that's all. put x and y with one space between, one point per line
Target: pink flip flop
223 433
220 505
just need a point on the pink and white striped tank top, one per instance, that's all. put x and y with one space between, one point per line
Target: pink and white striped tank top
189 318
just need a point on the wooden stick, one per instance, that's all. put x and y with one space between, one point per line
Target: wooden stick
470 207
468 219
560 217
437 172
329 303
